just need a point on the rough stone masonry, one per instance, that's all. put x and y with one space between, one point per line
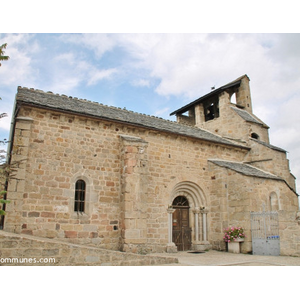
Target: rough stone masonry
131 174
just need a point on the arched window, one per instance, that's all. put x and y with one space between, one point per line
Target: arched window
255 135
79 198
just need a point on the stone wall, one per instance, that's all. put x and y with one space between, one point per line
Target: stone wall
131 174
289 232
21 250
232 203
230 124
271 160
56 149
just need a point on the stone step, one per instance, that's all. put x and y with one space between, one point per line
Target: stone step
21 249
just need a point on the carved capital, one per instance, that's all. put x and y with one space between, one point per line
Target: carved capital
196 210
170 210
203 210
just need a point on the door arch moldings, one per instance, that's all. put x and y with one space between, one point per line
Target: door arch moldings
191 191
197 211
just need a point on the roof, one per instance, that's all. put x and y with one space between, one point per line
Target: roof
247 116
245 169
269 145
235 83
248 170
49 100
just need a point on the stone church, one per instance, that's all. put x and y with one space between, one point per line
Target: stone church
112 178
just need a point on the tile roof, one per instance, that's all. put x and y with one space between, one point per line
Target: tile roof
246 116
245 169
269 145
53 101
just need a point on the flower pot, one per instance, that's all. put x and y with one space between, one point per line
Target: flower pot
234 246
240 240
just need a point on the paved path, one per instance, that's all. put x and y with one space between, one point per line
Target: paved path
219 258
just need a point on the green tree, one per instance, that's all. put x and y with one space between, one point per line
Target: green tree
2 56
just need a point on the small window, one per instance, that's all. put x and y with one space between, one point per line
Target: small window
79 196
255 136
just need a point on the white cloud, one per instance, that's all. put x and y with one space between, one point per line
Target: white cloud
33 63
18 69
141 83
5 123
162 112
99 43
138 46
96 75
190 64
185 66
65 58
68 72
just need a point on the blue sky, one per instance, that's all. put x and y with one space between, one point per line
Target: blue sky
157 73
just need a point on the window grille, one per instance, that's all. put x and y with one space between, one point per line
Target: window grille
180 201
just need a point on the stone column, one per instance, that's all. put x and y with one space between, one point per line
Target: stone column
204 212
199 115
171 247
196 212
134 180
204 244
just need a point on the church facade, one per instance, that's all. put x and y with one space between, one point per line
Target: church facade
104 176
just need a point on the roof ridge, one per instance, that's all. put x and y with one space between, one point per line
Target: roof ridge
271 146
73 104
244 164
95 102
271 175
252 115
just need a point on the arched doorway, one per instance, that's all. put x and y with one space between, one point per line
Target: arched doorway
181 231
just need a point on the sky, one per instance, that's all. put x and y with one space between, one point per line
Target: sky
157 73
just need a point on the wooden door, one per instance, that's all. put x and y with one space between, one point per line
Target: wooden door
181 228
